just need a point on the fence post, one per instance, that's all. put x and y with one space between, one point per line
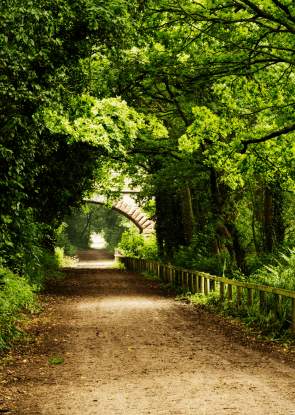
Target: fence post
238 296
205 285
278 302
201 284
221 291
262 300
179 278
250 296
208 285
193 283
197 283
229 292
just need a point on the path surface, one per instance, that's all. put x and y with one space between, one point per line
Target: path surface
129 349
94 258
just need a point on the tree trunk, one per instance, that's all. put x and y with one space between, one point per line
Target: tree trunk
268 220
274 228
238 250
227 235
187 214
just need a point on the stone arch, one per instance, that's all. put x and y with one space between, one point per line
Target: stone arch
127 207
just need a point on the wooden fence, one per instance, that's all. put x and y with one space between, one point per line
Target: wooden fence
239 293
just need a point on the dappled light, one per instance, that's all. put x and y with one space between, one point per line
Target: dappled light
125 303
94 258
130 303
126 347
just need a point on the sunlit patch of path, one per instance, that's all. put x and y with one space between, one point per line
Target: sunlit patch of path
132 350
95 259
124 304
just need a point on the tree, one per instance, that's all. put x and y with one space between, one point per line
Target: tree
220 77
42 45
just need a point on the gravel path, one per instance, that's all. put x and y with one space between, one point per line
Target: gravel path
129 349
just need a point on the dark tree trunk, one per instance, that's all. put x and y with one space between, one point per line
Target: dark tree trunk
237 249
227 236
278 222
169 225
187 214
268 220
274 228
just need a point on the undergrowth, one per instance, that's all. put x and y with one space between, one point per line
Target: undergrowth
16 296
279 273
272 321
63 260
135 245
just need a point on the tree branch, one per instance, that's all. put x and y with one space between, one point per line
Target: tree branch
285 9
274 134
262 13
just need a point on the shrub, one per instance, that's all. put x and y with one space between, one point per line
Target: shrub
135 245
16 296
280 273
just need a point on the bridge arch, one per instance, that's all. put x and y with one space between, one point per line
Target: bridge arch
128 207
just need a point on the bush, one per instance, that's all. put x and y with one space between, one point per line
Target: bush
62 260
16 295
195 257
134 244
47 268
280 273
63 241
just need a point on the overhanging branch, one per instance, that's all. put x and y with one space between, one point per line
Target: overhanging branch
274 134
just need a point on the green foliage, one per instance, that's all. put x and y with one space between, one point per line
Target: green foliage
193 102
135 245
274 319
109 223
63 240
271 320
198 255
56 360
16 296
44 171
62 260
226 98
150 276
279 273
77 228
108 124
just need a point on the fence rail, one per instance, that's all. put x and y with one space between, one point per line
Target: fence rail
238 292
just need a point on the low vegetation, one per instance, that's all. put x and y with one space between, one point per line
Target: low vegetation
135 245
17 296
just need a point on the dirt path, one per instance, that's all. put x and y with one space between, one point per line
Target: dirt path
129 349
95 258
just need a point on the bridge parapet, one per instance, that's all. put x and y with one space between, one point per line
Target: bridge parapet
128 207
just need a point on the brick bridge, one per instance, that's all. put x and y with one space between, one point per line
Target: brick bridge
129 208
